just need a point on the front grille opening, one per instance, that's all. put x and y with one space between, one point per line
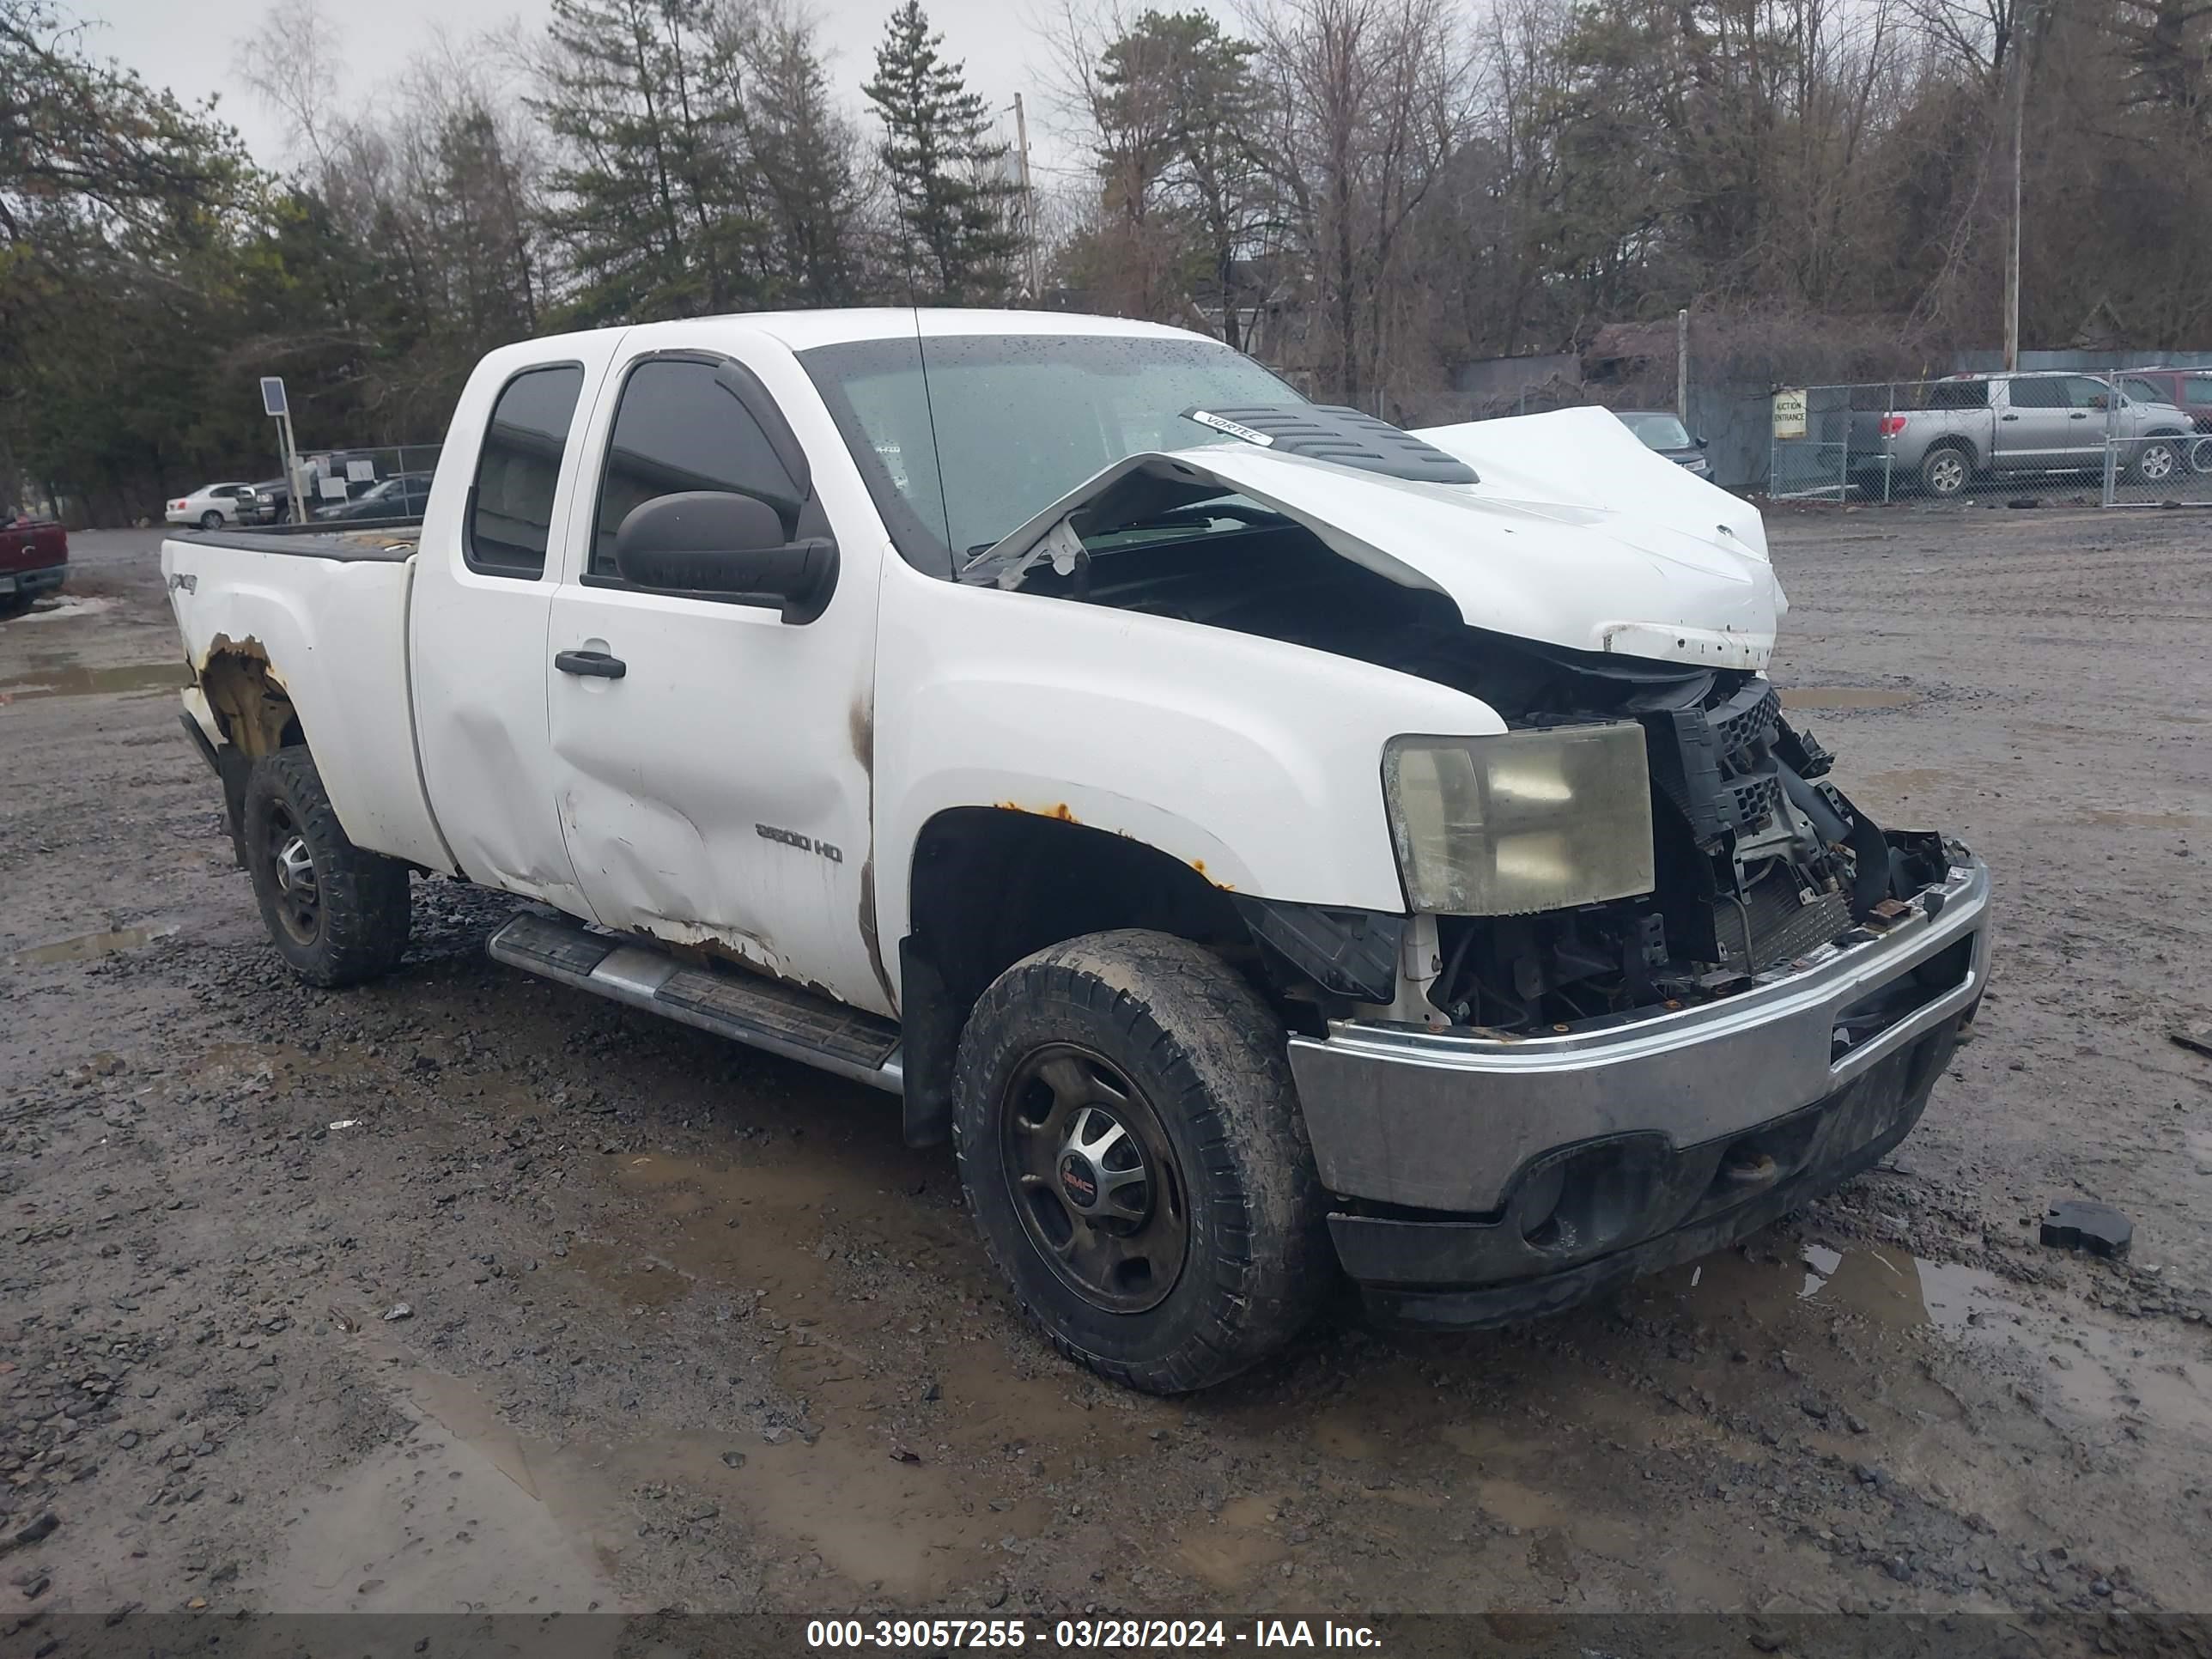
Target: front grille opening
1863 1021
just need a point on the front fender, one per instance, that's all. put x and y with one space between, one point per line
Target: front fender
1257 763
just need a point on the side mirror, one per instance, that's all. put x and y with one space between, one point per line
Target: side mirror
1701 441
719 544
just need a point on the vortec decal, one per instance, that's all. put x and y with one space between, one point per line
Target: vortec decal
804 843
1223 423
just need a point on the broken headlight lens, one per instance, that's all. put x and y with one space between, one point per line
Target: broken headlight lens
1529 820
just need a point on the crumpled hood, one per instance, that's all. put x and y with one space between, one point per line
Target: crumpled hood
1576 535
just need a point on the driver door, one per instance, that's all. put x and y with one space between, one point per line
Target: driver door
711 761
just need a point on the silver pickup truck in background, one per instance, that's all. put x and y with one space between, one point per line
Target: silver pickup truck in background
1976 424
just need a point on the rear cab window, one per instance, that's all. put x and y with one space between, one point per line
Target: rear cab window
510 513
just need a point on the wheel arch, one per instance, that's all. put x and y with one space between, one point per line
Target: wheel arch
989 886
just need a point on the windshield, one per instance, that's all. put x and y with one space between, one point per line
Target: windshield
1658 431
1005 425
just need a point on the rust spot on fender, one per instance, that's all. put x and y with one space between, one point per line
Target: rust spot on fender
870 935
1058 809
862 725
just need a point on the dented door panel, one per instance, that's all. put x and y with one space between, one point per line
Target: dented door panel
480 650
719 794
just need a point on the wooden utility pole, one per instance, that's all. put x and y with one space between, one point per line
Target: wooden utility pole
2023 17
1029 204
1682 366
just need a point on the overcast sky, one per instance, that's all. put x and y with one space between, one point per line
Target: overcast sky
190 47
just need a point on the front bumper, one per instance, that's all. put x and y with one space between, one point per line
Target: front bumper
1538 1170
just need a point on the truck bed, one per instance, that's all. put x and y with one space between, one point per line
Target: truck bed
390 544
313 621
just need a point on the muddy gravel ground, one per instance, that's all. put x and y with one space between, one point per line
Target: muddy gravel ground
470 1293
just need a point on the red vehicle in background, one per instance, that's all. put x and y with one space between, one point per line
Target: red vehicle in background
2190 391
33 559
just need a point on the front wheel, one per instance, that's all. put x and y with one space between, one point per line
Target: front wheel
336 915
1130 1142
2158 460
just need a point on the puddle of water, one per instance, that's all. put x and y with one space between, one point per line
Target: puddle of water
2150 820
1901 781
766 1234
1239 1545
87 946
2108 1373
95 682
1846 696
1894 1288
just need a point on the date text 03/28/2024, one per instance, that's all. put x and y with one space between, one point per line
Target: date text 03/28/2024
1109 1634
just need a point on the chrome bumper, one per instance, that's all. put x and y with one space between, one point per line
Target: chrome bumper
1443 1121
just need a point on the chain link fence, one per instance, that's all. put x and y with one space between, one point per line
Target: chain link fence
2108 438
362 487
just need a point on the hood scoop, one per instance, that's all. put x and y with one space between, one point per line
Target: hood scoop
1329 432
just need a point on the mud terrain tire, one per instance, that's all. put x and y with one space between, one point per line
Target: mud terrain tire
336 915
1162 1033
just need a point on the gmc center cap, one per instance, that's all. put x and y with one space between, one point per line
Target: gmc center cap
1078 1181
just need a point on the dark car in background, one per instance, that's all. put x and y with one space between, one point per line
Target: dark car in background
1662 430
269 502
402 495
33 558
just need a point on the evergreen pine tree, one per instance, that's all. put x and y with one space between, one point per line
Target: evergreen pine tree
947 172
802 151
651 199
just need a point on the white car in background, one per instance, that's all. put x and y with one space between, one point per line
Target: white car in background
208 507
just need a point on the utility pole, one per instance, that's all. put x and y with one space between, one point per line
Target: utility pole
1682 366
1029 204
2021 19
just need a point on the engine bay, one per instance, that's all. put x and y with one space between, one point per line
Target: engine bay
1760 859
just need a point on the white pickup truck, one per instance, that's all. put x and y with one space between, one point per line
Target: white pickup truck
1268 843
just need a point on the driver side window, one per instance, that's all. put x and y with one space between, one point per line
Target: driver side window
681 427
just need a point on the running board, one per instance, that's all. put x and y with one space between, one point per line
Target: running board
765 1013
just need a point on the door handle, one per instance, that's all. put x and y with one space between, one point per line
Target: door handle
2007 417
591 664
2079 415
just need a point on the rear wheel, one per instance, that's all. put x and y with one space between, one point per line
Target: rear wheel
210 519
1130 1142
13 605
336 915
1946 471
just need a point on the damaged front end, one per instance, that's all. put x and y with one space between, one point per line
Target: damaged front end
1756 860
1650 832
1656 980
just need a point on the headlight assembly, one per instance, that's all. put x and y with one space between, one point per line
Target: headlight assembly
1527 822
